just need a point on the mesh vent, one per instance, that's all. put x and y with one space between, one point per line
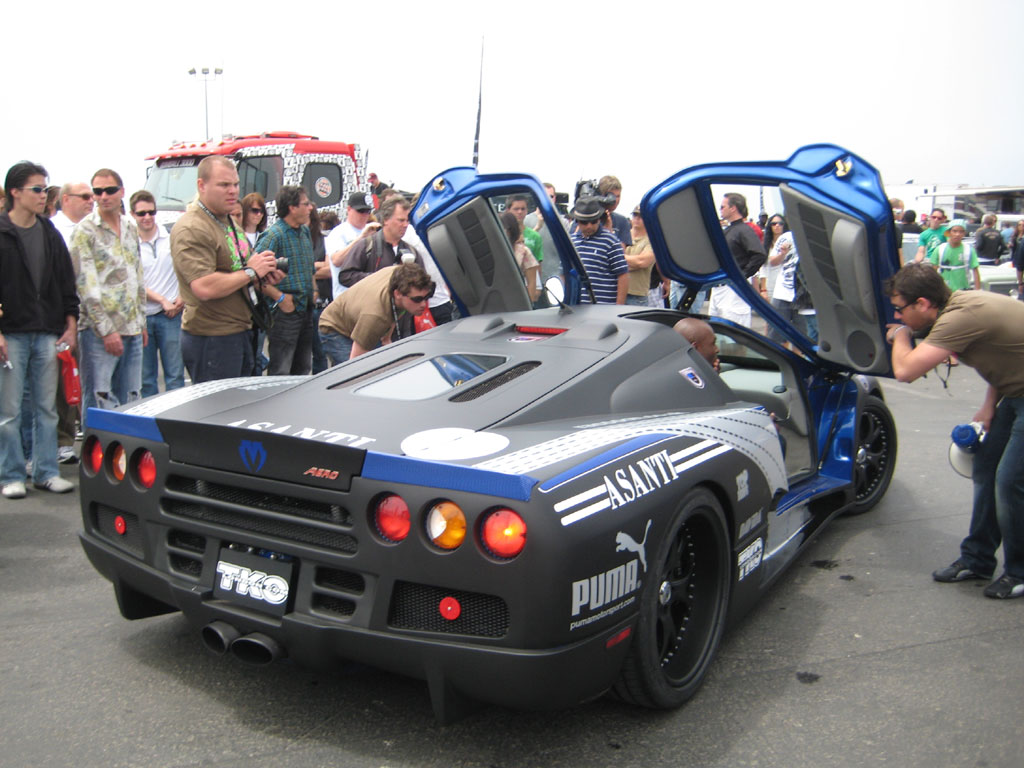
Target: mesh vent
416 606
335 605
254 522
821 250
346 581
186 565
494 383
477 238
186 540
103 521
270 502
375 372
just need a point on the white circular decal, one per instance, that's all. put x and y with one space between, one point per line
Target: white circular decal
452 443
323 187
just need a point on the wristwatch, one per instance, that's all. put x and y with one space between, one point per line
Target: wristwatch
251 273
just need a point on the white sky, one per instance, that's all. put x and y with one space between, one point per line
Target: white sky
640 89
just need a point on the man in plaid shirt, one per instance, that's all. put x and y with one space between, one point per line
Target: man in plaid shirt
291 337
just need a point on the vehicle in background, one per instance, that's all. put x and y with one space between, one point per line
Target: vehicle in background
329 171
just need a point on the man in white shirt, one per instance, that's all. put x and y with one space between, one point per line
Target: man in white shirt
341 238
163 305
76 200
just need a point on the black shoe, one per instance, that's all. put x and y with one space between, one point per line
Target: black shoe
957 571
1005 587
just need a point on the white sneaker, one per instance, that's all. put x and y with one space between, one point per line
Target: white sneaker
55 484
15 490
66 455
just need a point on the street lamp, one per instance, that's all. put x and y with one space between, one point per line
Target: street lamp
206 76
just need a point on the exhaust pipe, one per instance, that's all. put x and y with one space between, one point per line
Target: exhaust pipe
256 648
218 636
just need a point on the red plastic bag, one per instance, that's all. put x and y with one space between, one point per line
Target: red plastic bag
69 372
424 322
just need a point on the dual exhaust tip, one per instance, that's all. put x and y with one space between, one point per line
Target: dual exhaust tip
255 648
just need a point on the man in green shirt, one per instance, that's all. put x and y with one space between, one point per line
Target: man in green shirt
931 237
954 257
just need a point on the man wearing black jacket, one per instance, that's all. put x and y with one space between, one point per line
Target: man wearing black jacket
746 248
385 248
40 311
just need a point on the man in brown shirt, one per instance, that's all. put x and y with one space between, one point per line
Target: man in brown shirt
218 283
366 315
986 331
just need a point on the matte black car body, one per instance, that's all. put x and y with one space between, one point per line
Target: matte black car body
658 499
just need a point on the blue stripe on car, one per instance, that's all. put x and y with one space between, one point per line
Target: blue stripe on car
402 469
129 424
603 458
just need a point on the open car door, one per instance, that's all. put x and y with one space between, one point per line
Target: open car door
843 232
457 216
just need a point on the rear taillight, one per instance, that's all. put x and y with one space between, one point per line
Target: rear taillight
391 517
92 455
503 533
145 468
446 525
118 462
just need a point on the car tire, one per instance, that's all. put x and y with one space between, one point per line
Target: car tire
683 608
875 457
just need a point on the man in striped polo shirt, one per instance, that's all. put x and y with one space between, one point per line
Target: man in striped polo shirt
601 253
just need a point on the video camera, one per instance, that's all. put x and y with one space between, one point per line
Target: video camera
589 188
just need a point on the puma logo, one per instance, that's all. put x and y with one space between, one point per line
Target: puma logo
626 543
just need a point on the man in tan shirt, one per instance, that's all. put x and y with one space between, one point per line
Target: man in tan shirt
218 277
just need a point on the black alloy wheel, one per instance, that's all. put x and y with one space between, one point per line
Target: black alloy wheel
875 457
683 608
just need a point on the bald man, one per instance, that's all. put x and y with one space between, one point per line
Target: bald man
701 336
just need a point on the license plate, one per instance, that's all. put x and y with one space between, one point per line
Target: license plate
256 582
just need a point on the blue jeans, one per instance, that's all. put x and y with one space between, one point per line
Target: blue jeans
319 355
109 381
636 301
209 358
165 340
999 494
337 347
33 358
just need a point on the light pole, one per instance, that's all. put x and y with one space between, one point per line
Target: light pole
206 76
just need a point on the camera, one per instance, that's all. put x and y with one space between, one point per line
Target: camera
281 263
589 188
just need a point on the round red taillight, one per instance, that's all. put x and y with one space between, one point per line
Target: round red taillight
503 533
450 608
145 468
118 462
120 525
92 455
391 515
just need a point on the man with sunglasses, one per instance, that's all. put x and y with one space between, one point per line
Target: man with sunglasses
112 331
986 331
932 237
76 200
163 304
374 311
40 310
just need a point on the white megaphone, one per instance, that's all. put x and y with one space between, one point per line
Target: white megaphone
966 439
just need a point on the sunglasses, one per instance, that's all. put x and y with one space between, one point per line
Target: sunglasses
257 210
140 214
100 191
37 189
776 223
417 299
903 309
83 195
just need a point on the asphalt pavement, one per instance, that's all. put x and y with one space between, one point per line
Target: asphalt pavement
855 658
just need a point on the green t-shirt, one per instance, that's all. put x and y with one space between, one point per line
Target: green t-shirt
930 239
534 243
950 262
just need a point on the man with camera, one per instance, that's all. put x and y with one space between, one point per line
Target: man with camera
291 300
383 248
218 284
986 331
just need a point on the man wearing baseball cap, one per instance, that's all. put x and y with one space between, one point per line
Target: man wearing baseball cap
954 258
341 238
601 253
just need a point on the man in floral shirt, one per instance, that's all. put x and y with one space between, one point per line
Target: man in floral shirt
112 327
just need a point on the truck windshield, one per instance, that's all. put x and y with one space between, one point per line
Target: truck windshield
173 183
